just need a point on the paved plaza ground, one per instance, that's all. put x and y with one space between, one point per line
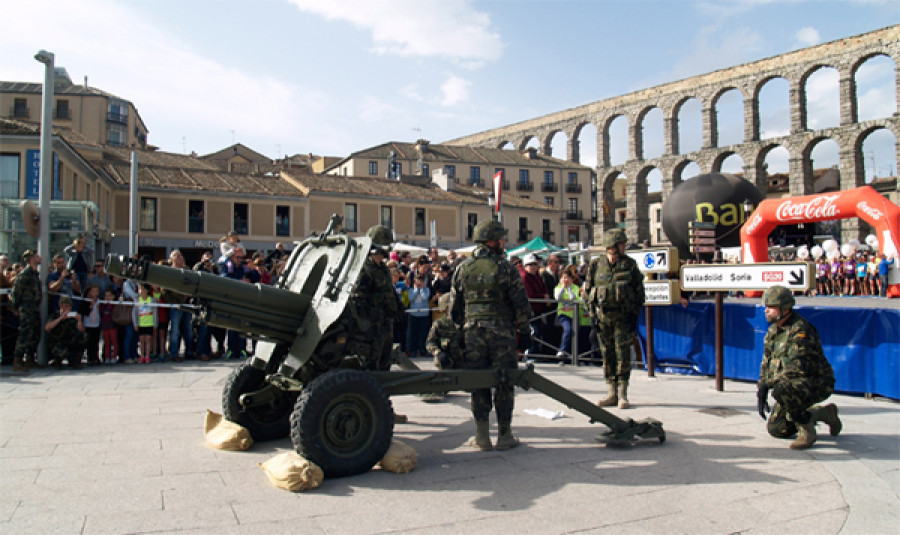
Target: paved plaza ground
121 450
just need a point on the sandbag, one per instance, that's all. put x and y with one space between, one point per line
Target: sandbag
224 434
400 458
292 472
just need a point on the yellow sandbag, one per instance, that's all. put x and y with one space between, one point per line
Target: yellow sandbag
400 458
292 472
224 434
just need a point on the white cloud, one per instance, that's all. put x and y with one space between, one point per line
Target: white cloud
807 36
451 29
178 91
454 91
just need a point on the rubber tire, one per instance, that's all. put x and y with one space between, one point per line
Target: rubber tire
343 422
264 423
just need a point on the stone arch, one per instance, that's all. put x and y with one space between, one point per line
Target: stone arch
859 169
640 141
715 100
678 120
576 141
803 93
526 139
805 177
547 145
606 199
854 68
678 170
505 144
607 140
770 81
719 161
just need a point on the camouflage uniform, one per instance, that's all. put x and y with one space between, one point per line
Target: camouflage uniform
795 368
26 300
443 339
374 306
65 342
615 297
491 304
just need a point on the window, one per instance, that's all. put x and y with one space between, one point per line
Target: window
196 216
425 170
373 168
523 176
475 176
282 220
387 217
573 204
548 178
658 215
420 222
622 215
471 222
546 233
350 222
451 170
148 213
116 135
659 235
20 108
62 109
548 201
573 178
241 218
523 229
502 172
9 176
117 112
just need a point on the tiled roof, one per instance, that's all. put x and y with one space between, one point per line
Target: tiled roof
31 87
393 189
13 127
461 155
239 149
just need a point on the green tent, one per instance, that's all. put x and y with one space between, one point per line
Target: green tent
537 246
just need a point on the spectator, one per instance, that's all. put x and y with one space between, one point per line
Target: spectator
90 313
145 318
233 268
205 332
79 259
9 323
406 262
206 264
109 328
418 316
552 333
566 292
161 335
100 278
277 254
227 245
179 319
61 281
884 267
399 326
452 259
65 340
434 256
442 283
536 289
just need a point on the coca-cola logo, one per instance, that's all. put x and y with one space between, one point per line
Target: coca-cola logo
823 207
756 221
874 213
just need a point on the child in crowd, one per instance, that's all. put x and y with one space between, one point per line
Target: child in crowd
145 322
227 244
162 325
418 315
90 311
109 328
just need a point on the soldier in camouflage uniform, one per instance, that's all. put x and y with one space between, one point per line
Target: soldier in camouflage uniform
614 287
794 367
443 343
489 301
65 336
26 304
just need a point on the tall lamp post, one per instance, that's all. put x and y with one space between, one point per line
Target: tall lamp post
45 185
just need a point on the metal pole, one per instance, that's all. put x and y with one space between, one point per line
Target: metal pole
651 354
133 222
45 188
720 359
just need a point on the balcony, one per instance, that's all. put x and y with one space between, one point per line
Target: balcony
114 117
548 236
573 188
19 112
549 187
524 186
573 214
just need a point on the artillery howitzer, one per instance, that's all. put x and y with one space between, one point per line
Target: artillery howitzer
301 380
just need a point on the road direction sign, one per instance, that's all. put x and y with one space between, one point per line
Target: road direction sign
702 224
703 248
657 293
702 233
733 277
702 241
662 260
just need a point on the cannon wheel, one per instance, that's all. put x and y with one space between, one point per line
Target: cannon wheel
343 422
265 422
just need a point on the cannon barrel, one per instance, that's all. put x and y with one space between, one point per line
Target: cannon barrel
252 308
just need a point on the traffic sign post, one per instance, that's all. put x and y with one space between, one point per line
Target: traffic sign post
661 260
795 276
662 292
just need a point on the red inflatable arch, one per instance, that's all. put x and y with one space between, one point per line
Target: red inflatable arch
863 202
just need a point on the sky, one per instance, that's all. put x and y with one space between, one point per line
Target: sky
333 77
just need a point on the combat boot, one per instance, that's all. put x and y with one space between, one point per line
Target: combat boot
482 438
505 439
829 415
30 362
19 364
623 395
612 399
806 436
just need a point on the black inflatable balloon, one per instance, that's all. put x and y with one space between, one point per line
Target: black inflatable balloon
716 198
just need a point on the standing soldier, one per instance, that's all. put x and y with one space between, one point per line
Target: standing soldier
614 287
794 367
489 301
26 303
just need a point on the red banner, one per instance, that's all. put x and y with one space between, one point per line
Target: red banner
498 187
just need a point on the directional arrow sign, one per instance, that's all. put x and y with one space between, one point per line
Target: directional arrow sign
661 292
733 277
663 260
702 232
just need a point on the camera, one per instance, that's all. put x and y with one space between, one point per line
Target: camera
72 314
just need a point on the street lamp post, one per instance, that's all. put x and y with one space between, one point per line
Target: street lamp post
45 185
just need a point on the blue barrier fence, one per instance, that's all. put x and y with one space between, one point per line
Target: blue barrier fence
862 344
